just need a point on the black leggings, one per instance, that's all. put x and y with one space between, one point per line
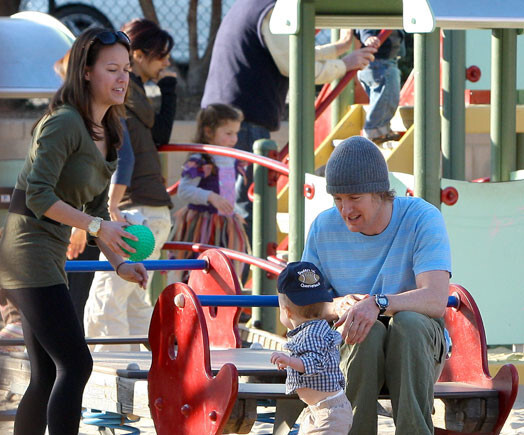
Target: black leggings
80 283
60 362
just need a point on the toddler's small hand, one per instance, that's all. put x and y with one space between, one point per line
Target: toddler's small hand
280 359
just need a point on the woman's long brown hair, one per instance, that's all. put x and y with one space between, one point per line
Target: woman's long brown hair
75 89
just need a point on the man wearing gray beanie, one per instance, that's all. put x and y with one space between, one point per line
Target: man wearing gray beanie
388 261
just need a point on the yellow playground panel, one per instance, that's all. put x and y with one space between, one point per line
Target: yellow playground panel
400 157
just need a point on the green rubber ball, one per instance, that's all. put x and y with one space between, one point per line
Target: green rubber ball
145 244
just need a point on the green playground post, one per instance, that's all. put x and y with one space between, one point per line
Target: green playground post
520 151
453 109
340 105
503 103
301 121
426 159
264 234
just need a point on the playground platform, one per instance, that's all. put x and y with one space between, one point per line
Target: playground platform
104 387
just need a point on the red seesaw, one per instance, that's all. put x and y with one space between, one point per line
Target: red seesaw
184 396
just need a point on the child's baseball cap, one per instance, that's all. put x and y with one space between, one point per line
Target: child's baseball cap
303 284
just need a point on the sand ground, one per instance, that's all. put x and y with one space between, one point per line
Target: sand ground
514 424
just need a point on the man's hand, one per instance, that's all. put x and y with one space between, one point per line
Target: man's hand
133 272
77 243
359 59
357 321
346 302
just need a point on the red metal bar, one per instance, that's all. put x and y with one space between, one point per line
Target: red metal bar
272 164
172 190
322 94
268 266
276 260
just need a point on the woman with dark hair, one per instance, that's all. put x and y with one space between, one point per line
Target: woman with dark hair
78 249
116 307
64 184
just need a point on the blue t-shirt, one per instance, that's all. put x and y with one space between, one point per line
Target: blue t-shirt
415 241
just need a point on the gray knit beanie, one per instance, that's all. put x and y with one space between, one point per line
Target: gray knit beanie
356 166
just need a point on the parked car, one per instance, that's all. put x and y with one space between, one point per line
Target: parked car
79 15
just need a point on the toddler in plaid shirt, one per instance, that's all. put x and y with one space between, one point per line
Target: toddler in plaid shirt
313 363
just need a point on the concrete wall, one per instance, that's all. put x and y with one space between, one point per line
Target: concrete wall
15 138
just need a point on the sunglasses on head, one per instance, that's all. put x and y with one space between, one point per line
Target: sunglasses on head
109 38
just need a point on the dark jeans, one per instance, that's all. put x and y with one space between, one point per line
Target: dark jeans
247 135
60 361
381 81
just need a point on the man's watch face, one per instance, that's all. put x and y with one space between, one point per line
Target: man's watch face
383 301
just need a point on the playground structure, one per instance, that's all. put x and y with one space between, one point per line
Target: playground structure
401 158
477 111
481 254
465 374
425 175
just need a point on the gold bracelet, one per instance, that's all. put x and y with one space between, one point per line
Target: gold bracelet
116 269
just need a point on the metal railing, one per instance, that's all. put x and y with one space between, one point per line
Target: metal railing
265 173
266 265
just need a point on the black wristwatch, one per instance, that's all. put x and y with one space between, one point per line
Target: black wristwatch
382 302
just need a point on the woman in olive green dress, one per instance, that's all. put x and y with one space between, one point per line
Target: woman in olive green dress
64 184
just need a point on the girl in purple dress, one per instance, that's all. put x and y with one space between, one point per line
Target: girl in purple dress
208 186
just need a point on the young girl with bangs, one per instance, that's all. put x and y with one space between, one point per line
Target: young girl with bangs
208 186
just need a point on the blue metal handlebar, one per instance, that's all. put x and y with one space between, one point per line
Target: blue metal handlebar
263 301
92 266
205 300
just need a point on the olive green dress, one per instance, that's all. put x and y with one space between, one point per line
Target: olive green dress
63 163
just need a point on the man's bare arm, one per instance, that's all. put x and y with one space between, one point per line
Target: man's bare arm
430 298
